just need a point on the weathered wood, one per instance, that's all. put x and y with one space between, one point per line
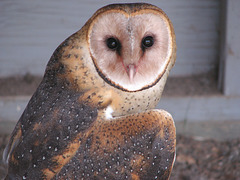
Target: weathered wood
202 108
230 62
31 30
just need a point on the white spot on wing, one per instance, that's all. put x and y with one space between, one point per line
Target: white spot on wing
108 112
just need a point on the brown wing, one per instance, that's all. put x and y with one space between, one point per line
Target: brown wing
49 132
63 134
140 146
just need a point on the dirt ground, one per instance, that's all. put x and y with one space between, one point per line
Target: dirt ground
206 159
197 159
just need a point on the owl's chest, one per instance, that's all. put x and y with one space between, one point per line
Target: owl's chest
135 102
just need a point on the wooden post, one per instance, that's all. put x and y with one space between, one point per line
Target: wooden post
230 51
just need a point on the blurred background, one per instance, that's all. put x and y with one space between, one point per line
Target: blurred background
202 92
31 30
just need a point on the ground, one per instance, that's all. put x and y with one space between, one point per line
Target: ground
197 158
206 159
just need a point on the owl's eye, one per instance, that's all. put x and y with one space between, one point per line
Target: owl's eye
147 42
112 43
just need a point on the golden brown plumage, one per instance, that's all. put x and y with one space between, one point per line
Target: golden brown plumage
91 117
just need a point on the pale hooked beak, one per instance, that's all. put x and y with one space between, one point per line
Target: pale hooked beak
131 71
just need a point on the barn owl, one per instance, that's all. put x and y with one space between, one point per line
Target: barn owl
93 116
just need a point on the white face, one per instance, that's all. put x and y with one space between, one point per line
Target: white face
131 51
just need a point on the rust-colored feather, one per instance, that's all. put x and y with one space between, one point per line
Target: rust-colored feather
140 145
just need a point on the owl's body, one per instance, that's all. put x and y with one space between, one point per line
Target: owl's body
91 117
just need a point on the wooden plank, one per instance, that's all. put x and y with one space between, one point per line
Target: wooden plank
31 30
218 130
202 108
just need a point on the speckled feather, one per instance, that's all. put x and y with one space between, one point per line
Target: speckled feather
64 133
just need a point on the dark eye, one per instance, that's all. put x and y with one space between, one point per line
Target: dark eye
147 42
112 43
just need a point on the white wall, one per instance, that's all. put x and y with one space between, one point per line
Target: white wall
31 30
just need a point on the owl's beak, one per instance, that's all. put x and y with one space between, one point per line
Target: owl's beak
131 71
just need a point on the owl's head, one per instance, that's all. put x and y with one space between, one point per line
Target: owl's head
132 45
